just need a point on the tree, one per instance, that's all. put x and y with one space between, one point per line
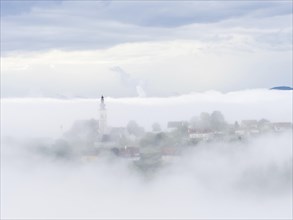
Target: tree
217 121
83 131
62 149
134 129
205 121
262 123
156 127
154 140
236 125
194 122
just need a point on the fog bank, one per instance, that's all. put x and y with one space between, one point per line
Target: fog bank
230 181
249 179
50 117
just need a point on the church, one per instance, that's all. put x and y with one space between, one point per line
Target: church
112 138
103 118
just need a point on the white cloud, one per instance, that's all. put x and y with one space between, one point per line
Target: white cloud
245 180
247 46
186 65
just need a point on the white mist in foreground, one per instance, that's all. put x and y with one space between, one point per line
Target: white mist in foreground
238 180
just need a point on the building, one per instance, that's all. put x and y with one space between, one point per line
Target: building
249 124
103 118
282 126
174 125
201 136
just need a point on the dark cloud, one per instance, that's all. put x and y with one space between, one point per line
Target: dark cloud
172 13
10 8
153 13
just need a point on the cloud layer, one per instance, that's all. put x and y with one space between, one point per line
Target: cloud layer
45 116
84 25
231 181
68 48
251 180
165 68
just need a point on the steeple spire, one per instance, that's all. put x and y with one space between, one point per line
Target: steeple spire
103 117
102 105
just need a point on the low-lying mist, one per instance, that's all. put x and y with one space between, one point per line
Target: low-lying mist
41 179
46 117
228 181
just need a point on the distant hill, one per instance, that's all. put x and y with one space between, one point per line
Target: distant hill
282 88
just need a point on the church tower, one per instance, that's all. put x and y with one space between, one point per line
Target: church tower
103 117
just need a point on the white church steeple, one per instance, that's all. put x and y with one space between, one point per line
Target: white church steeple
103 117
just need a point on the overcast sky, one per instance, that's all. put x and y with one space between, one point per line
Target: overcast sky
143 48
187 57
